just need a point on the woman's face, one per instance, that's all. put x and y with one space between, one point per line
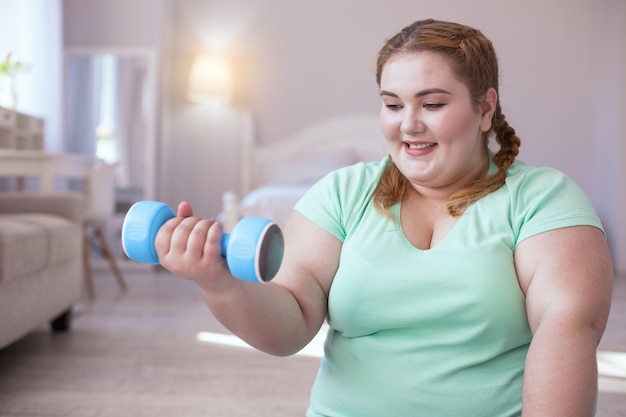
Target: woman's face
432 126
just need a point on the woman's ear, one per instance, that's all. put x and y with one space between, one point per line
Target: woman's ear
488 108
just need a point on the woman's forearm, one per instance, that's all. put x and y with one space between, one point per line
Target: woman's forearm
266 316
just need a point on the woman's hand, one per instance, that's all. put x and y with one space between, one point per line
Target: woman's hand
190 247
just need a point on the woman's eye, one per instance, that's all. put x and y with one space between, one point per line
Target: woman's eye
393 107
433 106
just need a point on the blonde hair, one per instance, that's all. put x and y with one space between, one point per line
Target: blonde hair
473 60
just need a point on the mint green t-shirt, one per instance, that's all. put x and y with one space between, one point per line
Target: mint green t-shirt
437 332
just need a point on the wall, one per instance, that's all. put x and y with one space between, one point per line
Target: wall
298 62
121 23
607 142
619 208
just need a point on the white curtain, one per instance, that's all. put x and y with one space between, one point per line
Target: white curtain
132 120
32 30
82 102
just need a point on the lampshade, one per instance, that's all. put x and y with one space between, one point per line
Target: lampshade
210 79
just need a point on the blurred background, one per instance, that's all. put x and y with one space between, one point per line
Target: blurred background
290 64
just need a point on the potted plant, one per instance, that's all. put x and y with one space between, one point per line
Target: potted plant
9 67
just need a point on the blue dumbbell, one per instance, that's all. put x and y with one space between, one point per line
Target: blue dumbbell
253 250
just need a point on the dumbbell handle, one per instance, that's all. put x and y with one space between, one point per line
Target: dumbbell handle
253 250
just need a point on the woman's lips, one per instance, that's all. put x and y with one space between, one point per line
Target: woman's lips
419 149
420 146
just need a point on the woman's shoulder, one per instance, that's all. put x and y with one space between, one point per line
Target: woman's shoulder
335 201
522 175
544 198
357 176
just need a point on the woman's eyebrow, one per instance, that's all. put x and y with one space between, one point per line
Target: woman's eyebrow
422 93
388 93
432 91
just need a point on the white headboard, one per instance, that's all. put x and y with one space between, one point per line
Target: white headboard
340 140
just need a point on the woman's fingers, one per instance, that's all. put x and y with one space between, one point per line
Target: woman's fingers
184 209
163 239
189 236
190 247
198 239
213 240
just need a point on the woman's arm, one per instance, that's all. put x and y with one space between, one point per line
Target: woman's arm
279 317
567 277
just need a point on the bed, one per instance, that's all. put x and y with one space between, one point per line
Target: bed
274 176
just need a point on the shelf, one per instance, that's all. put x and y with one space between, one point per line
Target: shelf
20 131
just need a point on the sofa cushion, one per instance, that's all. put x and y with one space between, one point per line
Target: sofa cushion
30 242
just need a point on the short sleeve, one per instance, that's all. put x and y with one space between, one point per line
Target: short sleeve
321 204
547 199
337 202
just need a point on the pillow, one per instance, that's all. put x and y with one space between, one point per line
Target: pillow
308 170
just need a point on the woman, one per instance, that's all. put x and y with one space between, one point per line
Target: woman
456 282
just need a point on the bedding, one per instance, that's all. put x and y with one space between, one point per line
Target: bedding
272 201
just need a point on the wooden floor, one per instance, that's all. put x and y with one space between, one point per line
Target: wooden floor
139 354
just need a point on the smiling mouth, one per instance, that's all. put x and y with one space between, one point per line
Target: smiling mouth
420 146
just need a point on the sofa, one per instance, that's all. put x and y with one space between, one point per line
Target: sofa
41 264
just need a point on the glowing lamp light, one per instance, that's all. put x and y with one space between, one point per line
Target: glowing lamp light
210 79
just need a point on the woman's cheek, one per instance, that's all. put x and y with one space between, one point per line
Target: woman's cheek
389 127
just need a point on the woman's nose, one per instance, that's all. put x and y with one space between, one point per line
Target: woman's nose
411 123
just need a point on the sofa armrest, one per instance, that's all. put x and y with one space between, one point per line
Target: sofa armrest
70 205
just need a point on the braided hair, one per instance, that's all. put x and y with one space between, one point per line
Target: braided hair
473 60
